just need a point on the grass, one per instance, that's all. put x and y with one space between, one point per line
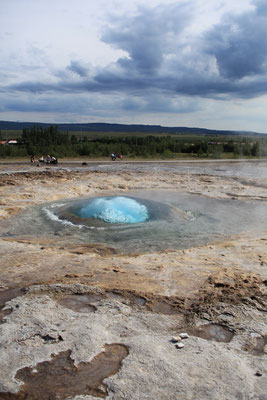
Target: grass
183 137
10 134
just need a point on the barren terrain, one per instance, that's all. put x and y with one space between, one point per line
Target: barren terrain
86 322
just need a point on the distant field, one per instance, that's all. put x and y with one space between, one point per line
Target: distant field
9 134
6 133
178 136
134 145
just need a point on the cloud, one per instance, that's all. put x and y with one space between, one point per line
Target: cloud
165 60
46 104
158 103
228 60
148 36
261 7
239 43
94 104
78 68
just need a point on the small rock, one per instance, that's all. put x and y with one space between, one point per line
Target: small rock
255 335
176 339
179 345
206 316
184 335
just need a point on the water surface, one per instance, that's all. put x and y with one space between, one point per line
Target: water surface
176 221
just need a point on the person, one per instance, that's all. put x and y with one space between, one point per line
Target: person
48 159
32 159
41 159
53 160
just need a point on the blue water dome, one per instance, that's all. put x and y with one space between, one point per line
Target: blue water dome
115 210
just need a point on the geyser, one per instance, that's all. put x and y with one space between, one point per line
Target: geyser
114 210
139 224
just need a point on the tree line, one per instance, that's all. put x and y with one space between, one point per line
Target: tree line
50 140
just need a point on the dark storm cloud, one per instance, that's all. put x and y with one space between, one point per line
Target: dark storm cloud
148 36
159 56
227 61
239 44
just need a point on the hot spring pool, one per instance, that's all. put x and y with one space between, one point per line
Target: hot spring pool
141 222
112 209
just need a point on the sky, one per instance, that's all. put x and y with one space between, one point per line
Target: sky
188 63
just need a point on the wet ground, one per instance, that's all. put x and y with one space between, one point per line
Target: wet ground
60 378
214 332
75 352
255 169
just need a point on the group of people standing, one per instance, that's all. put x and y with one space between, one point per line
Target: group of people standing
48 159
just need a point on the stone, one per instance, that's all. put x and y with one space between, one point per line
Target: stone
176 339
184 335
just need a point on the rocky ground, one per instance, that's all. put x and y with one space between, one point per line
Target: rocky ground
85 322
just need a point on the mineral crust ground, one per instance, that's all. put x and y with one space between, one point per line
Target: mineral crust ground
87 322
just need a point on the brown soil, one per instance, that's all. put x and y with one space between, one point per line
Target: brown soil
228 287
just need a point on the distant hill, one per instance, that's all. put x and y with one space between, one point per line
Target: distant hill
104 127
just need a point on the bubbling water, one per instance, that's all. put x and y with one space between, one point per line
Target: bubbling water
114 210
137 223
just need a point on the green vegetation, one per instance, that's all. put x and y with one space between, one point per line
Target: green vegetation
49 140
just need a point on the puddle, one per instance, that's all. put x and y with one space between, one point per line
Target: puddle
161 307
60 378
157 304
115 296
9 294
259 348
5 296
128 297
217 333
79 303
140 301
87 302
